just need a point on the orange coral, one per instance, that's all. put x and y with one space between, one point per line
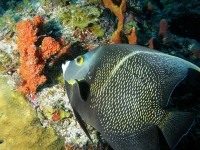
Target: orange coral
49 47
119 12
38 21
32 57
26 32
151 43
132 38
30 70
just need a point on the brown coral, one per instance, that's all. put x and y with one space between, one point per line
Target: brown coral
163 29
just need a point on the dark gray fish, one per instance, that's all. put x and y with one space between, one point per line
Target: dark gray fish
122 90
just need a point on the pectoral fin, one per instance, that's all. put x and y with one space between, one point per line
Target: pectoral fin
82 124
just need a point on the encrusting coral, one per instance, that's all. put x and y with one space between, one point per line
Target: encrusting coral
33 58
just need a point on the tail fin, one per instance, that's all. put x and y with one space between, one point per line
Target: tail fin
175 126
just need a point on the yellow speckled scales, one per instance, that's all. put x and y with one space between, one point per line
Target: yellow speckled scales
129 89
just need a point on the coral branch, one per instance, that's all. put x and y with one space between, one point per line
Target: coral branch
132 38
119 12
38 21
49 47
26 32
33 58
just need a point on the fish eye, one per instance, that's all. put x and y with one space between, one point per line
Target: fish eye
79 60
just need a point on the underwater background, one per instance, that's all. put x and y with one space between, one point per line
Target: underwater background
37 36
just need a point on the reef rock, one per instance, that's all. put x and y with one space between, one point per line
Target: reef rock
19 125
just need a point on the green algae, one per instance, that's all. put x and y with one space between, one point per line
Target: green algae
7 26
5 59
97 30
27 2
60 79
95 2
2 69
80 16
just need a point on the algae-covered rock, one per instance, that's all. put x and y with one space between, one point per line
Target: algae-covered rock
97 30
80 16
2 69
19 125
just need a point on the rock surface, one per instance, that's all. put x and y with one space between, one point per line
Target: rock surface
19 125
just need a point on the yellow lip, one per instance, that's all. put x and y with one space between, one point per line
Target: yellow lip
72 81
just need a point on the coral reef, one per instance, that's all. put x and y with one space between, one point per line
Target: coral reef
55 111
80 26
32 57
20 127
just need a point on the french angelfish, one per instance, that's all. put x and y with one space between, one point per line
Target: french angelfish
122 91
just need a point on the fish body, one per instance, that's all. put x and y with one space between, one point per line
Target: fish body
122 90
